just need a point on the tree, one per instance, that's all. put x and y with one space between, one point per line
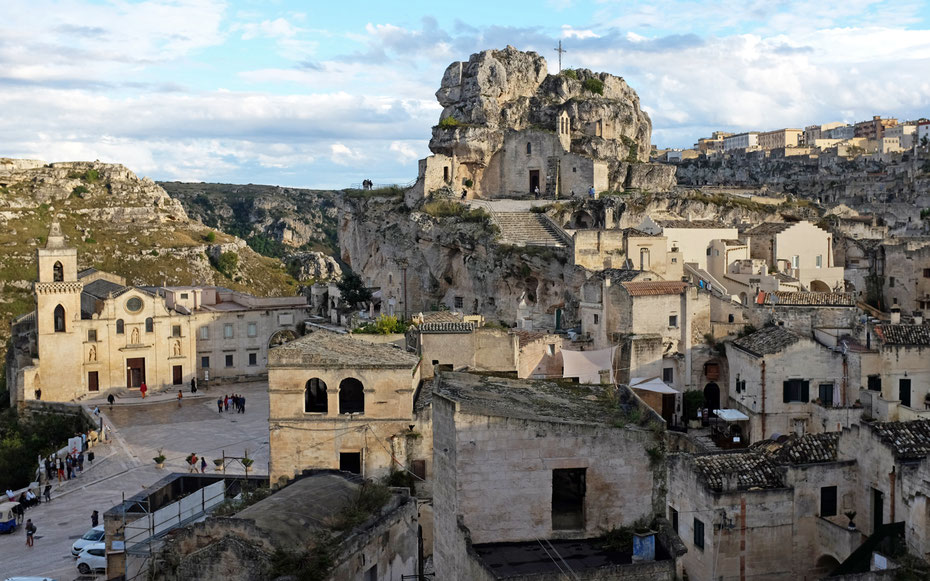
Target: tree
352 290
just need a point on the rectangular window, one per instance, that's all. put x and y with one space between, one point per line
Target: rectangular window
183 296
828 501
699 533
287 318
796 390
673 517
825 392
795 261
927 273
205 333
890 282
229 361
228 331
91 335
253 329
818 261
458 302
674 260
550 349
595 319
668 374
253 359
568 492
904 391
205 362
875 383
673 320
175 330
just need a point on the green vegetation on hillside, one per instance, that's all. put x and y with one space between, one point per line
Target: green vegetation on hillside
22 440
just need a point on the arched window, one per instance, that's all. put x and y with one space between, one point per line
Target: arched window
120 327
149 325
58 272
351 396
59 319
315 399
529 148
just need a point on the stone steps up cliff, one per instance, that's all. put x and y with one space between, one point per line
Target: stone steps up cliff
527 229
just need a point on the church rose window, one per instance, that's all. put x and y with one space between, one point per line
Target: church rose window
134 305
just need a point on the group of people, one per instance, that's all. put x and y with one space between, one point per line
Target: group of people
237 401
367 185
192 462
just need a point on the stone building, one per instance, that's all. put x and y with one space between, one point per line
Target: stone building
740 513
785 383
690 237
342 403
780 138
800 250
654 323
93 332
896 373
741 141
874 129
730 265
903 268
305 519
518 463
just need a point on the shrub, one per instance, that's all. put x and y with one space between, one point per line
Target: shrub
91 176
80 190
693 401
153 252
90 240
210 237
467 183
569 74
594 85
449 122
384 325
227 263
352 289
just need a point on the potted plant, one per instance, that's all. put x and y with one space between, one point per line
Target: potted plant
850 514
218 463
247 462
159 459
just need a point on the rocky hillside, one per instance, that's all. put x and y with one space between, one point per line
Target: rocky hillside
119 223
497 91
295 225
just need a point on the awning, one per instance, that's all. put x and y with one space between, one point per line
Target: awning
586 365
653 384
729 415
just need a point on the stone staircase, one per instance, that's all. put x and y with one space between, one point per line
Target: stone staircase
528 229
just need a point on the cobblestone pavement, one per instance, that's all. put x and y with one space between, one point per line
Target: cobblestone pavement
125 466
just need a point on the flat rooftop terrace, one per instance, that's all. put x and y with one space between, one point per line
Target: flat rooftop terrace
539 557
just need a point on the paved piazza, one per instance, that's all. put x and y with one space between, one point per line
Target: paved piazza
125 466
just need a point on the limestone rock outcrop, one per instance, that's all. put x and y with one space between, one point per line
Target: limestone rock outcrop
314 266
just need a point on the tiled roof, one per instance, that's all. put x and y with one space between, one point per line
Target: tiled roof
807 449
333 350
733 242
527 337
810 299
655 287
86 272
635 232
782 277
442 317
766 341
447 327
101 289
769 228
691 224
908 440
749 469
903 334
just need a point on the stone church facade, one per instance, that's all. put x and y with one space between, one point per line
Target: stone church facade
91 332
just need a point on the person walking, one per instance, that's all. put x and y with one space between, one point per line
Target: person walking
60 468
80 462
192 463
536 192
203 464
30 532
94 518
193 385
142 389
180 397
219 405
48 493
110 400
241 404
226 402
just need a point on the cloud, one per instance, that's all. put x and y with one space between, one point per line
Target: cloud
406 152
343 155
569 32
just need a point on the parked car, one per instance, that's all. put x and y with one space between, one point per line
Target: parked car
92 558
94 535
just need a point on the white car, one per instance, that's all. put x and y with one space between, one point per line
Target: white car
92 558
94 535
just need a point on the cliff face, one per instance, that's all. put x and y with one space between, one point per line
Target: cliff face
446 257
119 223
497 91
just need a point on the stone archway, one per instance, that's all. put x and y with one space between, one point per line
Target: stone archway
825 565
712 396
281 337
818 286
580 220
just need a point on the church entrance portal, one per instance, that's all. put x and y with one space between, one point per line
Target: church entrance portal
135 371
712 396
534 180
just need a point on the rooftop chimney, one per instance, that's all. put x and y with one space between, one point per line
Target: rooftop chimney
918 317
895 315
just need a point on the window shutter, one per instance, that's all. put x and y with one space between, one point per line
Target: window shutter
805 391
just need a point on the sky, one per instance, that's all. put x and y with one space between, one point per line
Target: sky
324 95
